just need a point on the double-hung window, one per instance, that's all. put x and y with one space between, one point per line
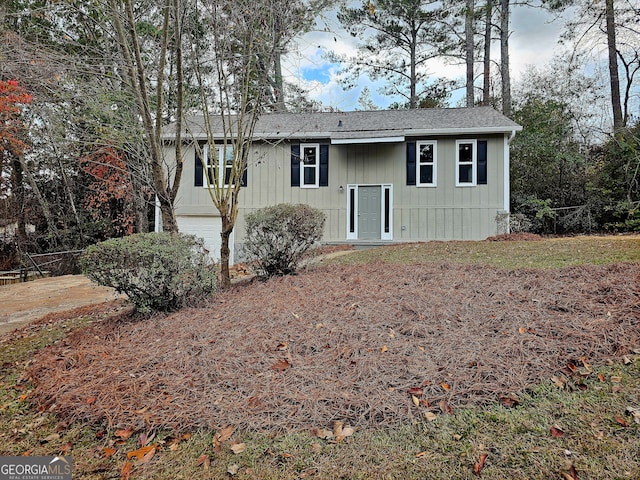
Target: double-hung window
309 165
426 163
220 156
466 163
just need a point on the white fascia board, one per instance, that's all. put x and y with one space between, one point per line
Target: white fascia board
462 131
349 141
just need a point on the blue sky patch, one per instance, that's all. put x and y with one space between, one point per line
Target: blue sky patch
320 74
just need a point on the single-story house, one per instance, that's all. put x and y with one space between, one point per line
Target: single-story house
379 176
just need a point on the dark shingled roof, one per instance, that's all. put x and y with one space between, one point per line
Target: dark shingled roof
366 126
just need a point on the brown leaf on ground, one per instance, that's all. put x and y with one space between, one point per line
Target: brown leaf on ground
510 400
556 432
125 471
141 452
621 421
204 461
281 365
108 451
238 447
479 465
445 407
124 433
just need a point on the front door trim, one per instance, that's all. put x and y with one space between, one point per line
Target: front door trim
386 209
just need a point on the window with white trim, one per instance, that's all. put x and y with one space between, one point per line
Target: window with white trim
309 165
426 163
466 163
223 157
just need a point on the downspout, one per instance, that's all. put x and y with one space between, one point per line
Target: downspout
507 181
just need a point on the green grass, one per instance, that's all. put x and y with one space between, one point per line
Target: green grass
547 253
601 439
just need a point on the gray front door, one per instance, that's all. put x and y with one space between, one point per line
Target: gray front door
369 213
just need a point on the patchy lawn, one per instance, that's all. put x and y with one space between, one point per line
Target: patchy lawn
440 368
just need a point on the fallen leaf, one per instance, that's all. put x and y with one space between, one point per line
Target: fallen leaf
347 431
626 360
309 472
445 407
384 349
601 377
522 330
124 434
422 454
322 433
65 448
281 365
238 447
586 365
559 381
634 412
415 391
445 386
510 400
337 428
430 416
572 367
148 456
415 400
204 461
556 432
140 453
621 421
479 465
125 471
50 438
90 400
108 451
282 346
340 431
392 334
616 379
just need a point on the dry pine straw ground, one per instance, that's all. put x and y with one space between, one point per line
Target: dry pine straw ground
371 345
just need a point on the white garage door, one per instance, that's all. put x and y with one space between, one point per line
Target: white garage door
207 228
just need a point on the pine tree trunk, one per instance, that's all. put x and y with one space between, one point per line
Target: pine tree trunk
504 58
614 79
486 84
469 48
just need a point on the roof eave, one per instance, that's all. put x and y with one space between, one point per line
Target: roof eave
462 131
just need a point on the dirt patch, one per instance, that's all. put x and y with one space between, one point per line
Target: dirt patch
26 302
372 345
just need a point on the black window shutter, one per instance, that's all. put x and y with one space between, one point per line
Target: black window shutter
411 163
482 162
295 165
198 180
324 165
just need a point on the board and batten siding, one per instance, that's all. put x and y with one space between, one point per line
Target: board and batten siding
419 213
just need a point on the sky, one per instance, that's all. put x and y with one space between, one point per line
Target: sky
534 41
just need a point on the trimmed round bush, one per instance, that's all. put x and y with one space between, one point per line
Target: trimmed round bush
278 237
157 271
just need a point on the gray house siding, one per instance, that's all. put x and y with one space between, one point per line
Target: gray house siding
360 161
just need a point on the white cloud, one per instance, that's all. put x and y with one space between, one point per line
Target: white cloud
534 41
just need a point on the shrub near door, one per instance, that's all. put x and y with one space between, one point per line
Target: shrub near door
278 237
